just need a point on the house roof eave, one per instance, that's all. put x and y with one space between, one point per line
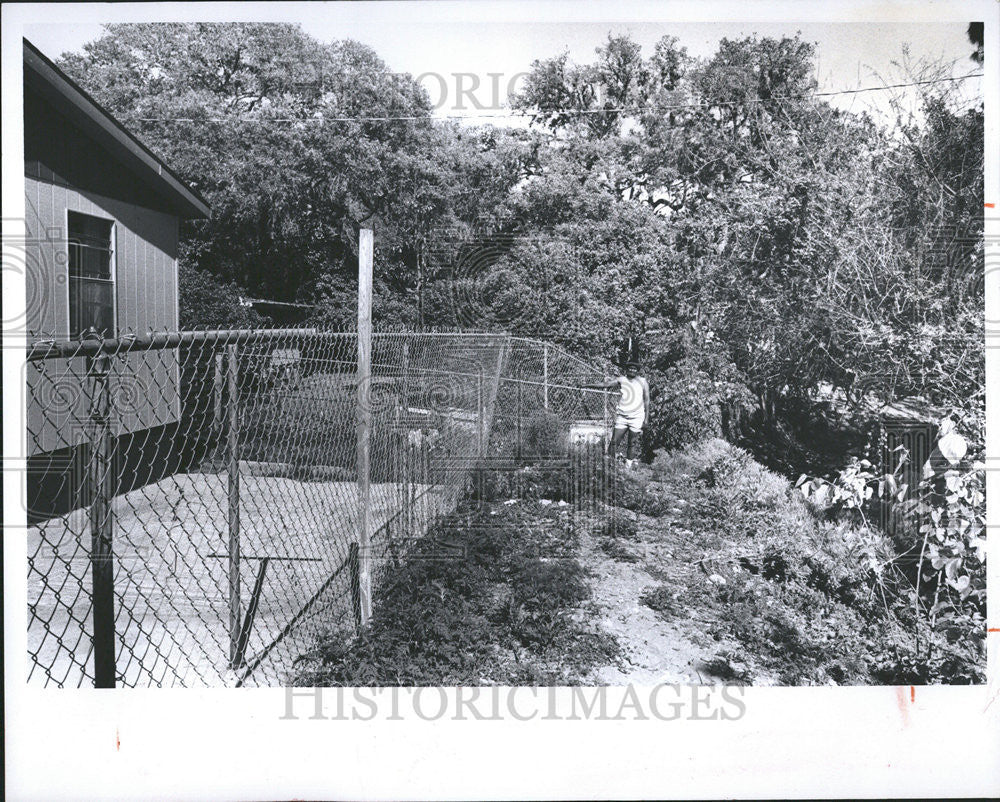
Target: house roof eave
92 119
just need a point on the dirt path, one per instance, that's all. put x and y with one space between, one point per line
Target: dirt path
653 650
657 647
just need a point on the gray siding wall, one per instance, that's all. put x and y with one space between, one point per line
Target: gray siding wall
145 389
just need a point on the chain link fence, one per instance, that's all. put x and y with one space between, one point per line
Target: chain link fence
195 498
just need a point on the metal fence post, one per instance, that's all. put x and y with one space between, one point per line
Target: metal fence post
494 388
233 517
101 481
365 258
218 389
354 573
481 412
545 375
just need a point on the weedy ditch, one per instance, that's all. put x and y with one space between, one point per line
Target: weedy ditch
785 590
512 609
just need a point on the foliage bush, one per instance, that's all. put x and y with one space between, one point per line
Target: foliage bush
206 302
531 482
620 487
505 613
684 410
938 583
621 525
530 471
793 629
803 596
544 435
698 395
686 462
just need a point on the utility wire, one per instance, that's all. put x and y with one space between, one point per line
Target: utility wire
525 113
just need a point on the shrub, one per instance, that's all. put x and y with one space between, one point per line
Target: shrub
939 593
793 629
685 462
684 411
544 436
737 474
206 302
504 613
689 399
661 599
636 493
621 525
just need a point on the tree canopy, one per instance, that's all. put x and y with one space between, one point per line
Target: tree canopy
716 206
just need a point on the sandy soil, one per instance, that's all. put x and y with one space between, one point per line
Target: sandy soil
655 649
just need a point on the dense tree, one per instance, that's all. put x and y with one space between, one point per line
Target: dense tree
976 37
207 303
295 143
745 225
806 244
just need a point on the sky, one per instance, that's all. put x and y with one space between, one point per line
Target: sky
487 51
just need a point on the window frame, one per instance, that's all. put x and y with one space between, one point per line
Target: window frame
112 268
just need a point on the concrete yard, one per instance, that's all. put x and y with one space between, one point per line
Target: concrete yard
171 576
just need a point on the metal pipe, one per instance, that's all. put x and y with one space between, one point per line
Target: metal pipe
155 341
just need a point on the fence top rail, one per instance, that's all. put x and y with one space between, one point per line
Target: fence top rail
153 341
560 351
49 349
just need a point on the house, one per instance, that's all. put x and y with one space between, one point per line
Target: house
102 215
102 219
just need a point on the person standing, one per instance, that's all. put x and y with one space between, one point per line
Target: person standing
630 412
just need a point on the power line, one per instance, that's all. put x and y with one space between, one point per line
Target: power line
499 113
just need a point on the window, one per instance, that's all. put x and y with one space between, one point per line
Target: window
91 275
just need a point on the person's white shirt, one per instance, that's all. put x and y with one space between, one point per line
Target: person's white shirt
634 393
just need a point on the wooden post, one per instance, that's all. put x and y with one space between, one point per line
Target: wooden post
233 516
545 375
365 259
101 480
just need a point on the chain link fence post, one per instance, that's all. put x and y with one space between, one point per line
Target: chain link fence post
545 375
480 413
233 494
101 491
354 574
364 415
